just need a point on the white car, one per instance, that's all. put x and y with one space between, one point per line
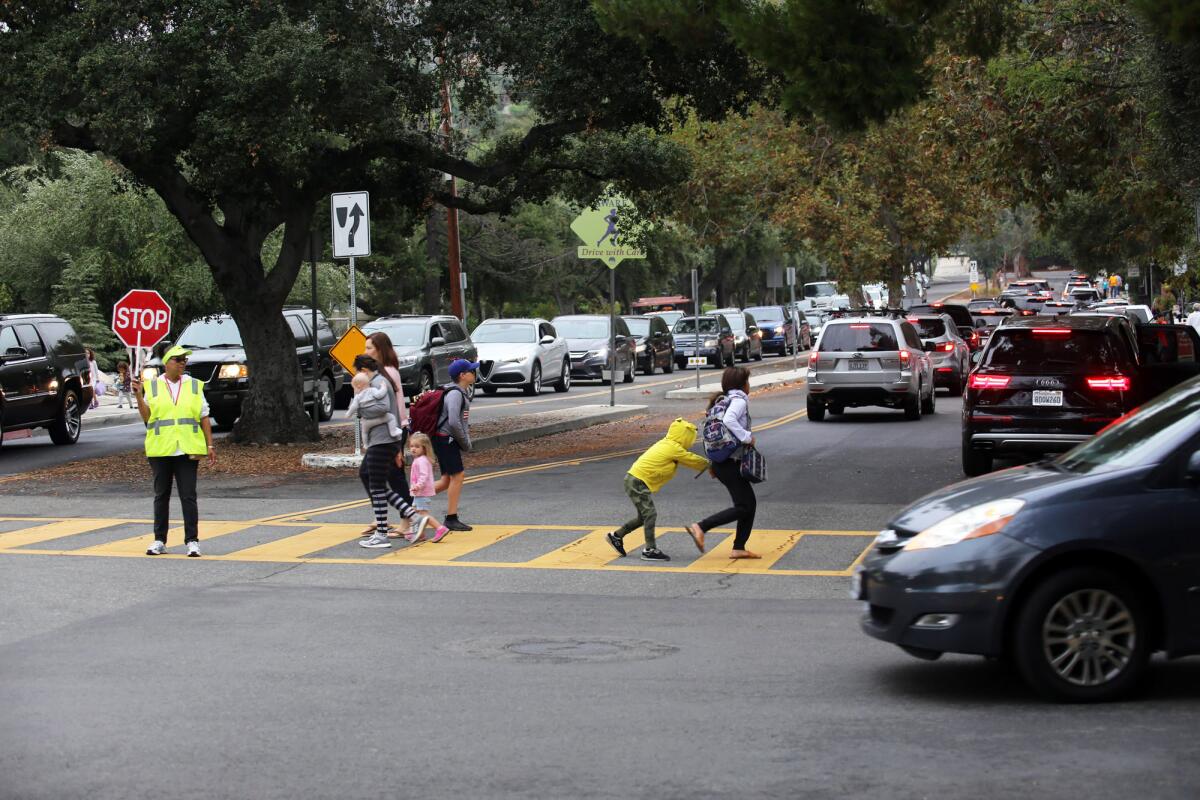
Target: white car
521 354
824 295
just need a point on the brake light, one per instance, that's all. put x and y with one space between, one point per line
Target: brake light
812 359
936 305
947 347
1051 331
860 327
988 382
1116 383
914 320
904 357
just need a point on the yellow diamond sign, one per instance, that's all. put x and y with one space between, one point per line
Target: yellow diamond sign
602 232
349 347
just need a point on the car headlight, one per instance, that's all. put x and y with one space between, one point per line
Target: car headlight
710 342
779 329
231 371
149 374
514 360
407 361
974 523
641 348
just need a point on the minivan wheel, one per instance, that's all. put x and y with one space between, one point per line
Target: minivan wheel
956 384
930 405
669 367
1082 636
425 382
912 405
629 372
325 399
564 379
534 387
816 409
974 462
69 422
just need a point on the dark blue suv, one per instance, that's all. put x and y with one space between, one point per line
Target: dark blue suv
778 328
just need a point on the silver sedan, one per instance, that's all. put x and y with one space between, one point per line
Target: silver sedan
521 354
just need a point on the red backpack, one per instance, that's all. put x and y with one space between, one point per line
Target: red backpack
425 412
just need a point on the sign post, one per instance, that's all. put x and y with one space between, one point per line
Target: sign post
350 218
141 319
695 361
974 278
602 234
791 280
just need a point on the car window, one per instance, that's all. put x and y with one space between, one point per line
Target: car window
59 337
299 331
1031 349
8 339
768 315
736 321
325 335
212 332
504 333
657 326
1162 345
1142 438
551 330
910 335
929 328
435 331
859 337
409 333
622 328
454 331
688 325
639 327
544 330
586 328
30 340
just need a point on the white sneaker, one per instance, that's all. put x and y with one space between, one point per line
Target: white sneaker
156 549
376 541
193 549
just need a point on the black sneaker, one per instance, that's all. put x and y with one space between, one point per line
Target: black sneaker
615 543
654 554
454 524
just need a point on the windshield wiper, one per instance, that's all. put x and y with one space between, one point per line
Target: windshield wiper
223 344
1052 463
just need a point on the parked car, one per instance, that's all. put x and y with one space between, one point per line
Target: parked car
1075 570
654 344
588 341
45 381
778 329
1044 386
426 346
869 360
747 337
709 337
521 354
219 359
949 353
805 335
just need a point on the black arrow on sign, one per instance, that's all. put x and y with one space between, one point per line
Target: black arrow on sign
356 214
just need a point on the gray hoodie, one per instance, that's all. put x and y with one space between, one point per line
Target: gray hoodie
372 408
456 416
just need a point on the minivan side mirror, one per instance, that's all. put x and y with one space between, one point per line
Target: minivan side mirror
437 341
976 356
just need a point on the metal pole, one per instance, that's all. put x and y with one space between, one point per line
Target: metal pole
354 322
612 335
696 305
796 347
313 239
457 305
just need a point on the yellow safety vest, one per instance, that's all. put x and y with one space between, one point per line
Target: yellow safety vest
174 426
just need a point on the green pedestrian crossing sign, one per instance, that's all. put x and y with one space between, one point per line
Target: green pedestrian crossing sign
603 230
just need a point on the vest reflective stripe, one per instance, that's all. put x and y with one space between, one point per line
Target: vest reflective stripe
174 424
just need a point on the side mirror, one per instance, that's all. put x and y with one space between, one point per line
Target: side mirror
1193 466
437 341
14 354
547 339
976 357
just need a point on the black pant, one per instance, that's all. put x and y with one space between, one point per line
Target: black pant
181 470
381 476
741 491
397 481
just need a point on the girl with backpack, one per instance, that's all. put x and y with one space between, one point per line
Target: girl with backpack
729 413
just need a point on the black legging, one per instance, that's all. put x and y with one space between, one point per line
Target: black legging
397 481
379 463
741 491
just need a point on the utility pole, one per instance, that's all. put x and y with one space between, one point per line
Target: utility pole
452 251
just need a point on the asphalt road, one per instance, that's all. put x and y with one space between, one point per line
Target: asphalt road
530 666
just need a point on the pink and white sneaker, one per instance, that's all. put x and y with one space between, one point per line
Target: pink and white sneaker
440 533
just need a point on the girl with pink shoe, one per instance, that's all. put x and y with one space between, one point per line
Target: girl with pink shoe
420 483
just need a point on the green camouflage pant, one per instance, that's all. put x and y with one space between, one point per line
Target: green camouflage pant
647 514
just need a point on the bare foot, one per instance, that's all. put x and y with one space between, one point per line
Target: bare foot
743 554
697 535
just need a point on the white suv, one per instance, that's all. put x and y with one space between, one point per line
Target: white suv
869 360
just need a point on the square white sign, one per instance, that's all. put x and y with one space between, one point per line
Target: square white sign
350 216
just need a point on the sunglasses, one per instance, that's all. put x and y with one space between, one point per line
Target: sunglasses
179 359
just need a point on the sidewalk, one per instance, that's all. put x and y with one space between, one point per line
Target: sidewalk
756 382
105 416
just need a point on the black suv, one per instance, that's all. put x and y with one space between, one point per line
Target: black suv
963 320
1046 384
219 359
653 343
44 377
425 345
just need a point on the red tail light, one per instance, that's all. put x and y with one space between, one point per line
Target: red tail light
947 347
1112 383
988 381
1051 331
904 357
812 360
860 327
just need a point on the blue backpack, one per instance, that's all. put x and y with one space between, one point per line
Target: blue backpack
719 443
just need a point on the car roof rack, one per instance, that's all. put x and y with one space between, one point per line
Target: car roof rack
867 312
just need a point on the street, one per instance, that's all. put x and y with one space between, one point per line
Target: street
523 659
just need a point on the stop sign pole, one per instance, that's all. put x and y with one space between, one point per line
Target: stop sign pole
142 318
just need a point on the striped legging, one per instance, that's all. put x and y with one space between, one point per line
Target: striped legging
377 461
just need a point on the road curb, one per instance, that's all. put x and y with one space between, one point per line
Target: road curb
576 419
756 382
92 421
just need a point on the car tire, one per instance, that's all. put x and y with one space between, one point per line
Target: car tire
224 421
759 355
69 423
489 390
836 410
1102 644
325 398
424 383
629 372
816 410
649 370
564 379
956 385
974 462
746 354
912 406
929 406
669 367
534 387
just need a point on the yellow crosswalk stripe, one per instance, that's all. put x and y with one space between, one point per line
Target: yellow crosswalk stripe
137 545
771 548
455 545
297 546
53 530
587 551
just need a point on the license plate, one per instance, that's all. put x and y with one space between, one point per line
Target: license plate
606 375
859 364
1044 397
697 361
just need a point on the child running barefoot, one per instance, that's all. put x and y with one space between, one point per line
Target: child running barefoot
650 473
420 483
361 383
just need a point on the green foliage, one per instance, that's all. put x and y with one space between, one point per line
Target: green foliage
75 301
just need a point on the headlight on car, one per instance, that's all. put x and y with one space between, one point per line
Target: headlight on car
602 352
149 374
514 360
641 348
406 361
779 329
974 523
232 371
710 342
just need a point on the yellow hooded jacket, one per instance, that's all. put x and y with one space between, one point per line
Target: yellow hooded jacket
657 465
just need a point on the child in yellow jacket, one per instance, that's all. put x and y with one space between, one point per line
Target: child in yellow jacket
650 473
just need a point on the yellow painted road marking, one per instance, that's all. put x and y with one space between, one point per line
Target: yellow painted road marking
291 547
455 545
136 545
54 530
717 558
587 551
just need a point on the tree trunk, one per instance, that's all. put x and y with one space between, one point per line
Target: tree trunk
431 302
273 410
895 279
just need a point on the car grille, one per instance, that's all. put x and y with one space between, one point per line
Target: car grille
202 372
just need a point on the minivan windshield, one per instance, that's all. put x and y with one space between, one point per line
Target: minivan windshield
403 334
504 333
861 337
688 325
819 290
581 328
212 332
1144 437
638 326
736 321
766 315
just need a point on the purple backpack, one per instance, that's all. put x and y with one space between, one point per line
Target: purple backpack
719 443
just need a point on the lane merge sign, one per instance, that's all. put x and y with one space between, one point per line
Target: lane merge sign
350 216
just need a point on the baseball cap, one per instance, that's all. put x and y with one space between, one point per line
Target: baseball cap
460 365
175 351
